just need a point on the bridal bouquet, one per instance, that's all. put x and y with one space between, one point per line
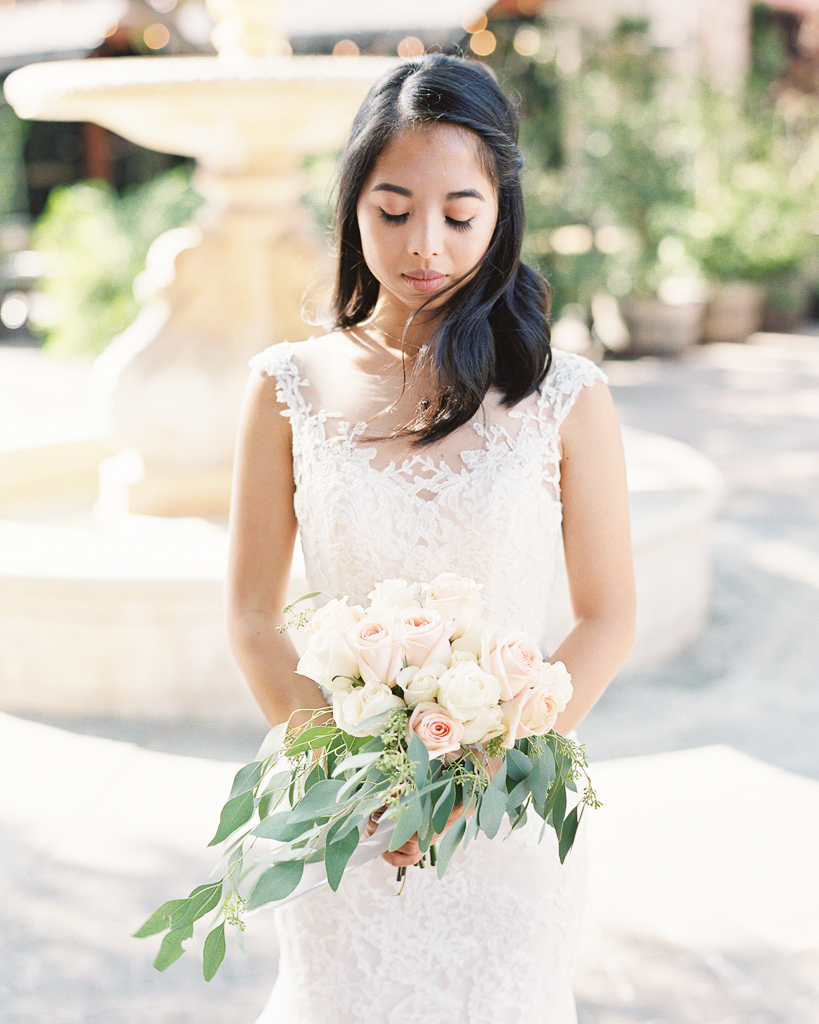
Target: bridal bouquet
442 725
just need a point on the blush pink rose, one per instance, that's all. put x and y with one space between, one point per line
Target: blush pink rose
457 599
426 637
377 647
514 660
439 731
532 712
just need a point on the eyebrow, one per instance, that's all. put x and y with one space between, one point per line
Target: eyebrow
467 193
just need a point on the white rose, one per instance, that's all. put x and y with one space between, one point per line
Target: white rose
420 684
472 639
329 661
466 691
362 711
393 595
457 600
485 727
335 616
556 680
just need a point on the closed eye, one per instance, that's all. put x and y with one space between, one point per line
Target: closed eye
394 218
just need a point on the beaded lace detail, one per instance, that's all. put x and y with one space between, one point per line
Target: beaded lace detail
494 941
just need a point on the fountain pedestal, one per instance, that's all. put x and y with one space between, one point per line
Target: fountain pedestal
233 282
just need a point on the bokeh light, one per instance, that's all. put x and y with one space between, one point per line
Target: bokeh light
410 46
527 42
156 36
483 43
345 48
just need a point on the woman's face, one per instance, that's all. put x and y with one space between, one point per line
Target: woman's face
426 214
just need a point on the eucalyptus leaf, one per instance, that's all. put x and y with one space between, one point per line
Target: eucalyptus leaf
248 777
419 756
236 812
518 764
336 856
276 883
449 843
426 830
443 807
273 742
356 761
214 951
407 824
200 902
471 828
498 780
314 738
171 948
161 919
558 812
567 833
279 827
540 778
493 808
320 798
517 797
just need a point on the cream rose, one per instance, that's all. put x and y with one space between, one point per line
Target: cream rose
420 684
393 594
377 647
329 661
362 711
457 599
336 616
472 640
425 636
438 730
513 659
485 727
556 680
532 712
466 691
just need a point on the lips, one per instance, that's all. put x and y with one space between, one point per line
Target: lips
424 280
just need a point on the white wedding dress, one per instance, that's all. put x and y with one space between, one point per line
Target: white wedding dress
494 941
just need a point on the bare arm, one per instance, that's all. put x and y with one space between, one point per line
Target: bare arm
262 534
597 542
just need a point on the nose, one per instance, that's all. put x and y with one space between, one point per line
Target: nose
425 239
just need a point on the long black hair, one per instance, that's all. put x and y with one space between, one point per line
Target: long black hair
493 329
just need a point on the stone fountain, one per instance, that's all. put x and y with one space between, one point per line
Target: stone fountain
123 615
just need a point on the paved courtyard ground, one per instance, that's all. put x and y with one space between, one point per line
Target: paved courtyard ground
704 899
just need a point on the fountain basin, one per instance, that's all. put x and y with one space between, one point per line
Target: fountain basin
129 619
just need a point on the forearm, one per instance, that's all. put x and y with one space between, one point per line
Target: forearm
268 662
592 652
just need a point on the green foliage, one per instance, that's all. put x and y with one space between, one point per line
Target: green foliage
12 179
335 781
666 176
95 243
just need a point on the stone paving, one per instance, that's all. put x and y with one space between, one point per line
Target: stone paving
704 900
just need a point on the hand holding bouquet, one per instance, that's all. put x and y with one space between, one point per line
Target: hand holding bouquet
425 694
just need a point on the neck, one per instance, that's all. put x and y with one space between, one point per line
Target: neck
396 332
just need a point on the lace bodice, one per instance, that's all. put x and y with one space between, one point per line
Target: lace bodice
483 503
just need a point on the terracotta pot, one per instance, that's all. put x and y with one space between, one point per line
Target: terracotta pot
734 312
660 328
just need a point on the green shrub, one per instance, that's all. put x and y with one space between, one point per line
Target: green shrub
94 242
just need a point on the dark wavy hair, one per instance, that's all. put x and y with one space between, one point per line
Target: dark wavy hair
493 329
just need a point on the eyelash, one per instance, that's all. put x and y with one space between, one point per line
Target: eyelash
397 219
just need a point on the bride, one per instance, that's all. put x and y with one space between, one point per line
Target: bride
432 430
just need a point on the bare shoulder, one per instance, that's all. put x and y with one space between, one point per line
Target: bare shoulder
592 420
